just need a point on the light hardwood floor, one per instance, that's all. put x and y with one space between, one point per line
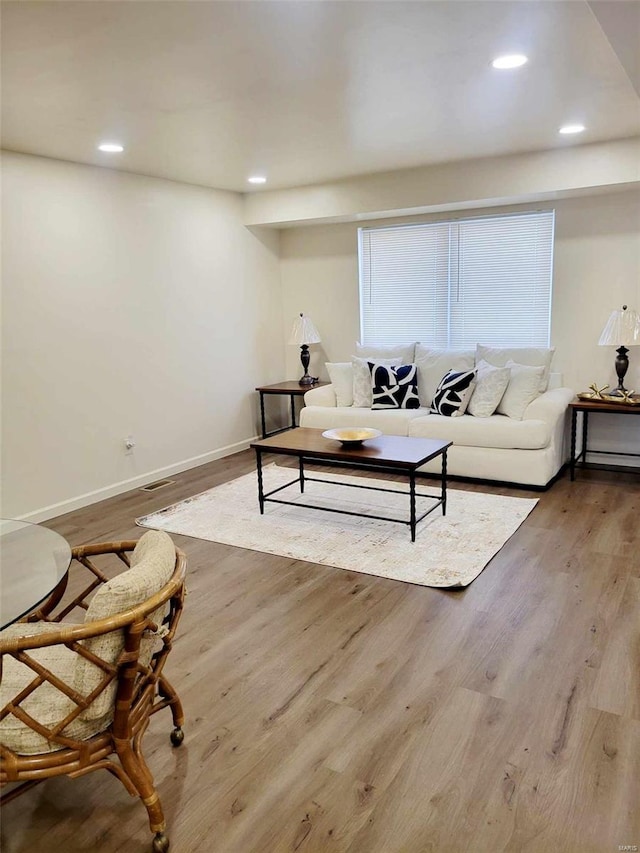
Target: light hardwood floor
332 711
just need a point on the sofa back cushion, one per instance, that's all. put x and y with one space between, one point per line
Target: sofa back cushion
433 364
404 352
530 356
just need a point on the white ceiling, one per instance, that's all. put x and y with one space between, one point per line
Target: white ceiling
306 91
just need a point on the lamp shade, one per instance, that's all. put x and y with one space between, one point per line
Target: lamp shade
304 332
622 329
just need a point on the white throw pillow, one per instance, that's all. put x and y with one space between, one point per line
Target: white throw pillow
531 356
432 365
401 353
491 383
341 377
362 393
523 388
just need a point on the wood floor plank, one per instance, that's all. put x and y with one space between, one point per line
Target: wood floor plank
587 796
617 687
468 730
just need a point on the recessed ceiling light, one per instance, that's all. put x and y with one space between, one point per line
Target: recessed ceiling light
257 179
512 60
110 147
572 128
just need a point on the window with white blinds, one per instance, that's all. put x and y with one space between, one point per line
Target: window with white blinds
455 284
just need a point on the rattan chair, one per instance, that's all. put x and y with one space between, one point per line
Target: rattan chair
73 696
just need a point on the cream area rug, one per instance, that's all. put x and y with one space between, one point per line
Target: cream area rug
448 552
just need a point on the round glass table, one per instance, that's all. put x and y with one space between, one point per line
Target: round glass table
33 561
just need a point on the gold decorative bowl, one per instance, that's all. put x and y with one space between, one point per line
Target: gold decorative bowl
351 436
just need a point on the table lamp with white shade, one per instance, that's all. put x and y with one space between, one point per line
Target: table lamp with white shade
622 331
303 334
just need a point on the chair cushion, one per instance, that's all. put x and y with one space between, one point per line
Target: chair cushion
152 564
46 704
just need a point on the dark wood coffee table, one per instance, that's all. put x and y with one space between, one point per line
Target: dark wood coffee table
389 453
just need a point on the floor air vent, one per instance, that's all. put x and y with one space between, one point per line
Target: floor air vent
160 484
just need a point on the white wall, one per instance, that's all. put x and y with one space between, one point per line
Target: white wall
131 305
596 269
134 305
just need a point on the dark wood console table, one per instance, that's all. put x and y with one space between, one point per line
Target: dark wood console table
587 407
291 389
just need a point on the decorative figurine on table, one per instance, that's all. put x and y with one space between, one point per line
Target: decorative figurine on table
597 392
630 398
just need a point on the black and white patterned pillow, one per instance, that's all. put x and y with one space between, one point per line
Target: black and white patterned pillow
453 393
394 387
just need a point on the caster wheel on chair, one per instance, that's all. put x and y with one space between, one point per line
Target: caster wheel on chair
177 736
160 843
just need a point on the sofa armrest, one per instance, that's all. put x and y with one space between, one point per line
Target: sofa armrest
324 396
549 406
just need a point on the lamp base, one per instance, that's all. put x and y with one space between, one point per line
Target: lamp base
304 358
622 365
308 380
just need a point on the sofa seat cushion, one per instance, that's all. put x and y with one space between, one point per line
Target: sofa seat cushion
46 704
495 431
388 421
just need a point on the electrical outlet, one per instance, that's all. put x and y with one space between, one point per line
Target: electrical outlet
129 444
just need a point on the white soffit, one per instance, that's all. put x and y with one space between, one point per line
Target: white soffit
541 176
308 92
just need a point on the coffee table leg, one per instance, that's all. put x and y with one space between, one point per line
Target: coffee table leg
301 469
444 482
260 489
412 503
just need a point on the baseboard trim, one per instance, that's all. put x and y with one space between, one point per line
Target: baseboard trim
70 505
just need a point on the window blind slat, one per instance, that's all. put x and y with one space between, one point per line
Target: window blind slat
455 284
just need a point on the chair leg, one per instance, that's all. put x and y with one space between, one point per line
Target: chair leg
168 692
136 769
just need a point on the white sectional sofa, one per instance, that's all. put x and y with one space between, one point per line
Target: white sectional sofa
530 451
